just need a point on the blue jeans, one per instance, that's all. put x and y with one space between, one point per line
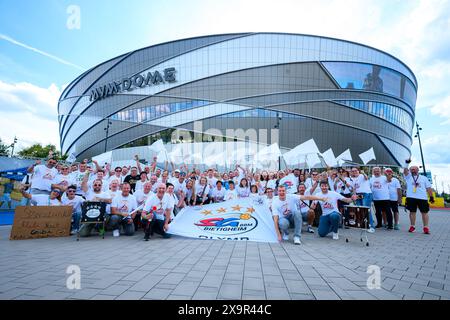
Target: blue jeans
329 223
366 201
76 217
284 222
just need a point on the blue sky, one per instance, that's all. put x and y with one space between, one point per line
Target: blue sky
39 54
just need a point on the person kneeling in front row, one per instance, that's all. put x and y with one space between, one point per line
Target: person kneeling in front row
156 213
329 221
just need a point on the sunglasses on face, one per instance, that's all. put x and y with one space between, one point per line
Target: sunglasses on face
71 190
97 185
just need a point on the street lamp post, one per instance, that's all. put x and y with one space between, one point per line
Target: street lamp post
420 146
107 132
277 126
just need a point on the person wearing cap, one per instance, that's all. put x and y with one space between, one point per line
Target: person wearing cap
395 195
53 199
179 184
417 187
175 176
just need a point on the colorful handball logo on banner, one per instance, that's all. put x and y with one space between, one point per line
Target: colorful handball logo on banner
226 222
236 220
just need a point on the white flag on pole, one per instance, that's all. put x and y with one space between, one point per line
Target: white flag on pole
344 156
312 160
157 146
103 158
71 158
367 156
297 155
328 157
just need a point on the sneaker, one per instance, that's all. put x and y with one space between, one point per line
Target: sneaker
310 229
426 230
285 237
412 229
396 227
116 233
371 230
146 238
297 240
335 236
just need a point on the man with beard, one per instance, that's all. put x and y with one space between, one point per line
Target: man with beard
417 187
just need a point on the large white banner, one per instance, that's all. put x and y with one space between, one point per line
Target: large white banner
240 219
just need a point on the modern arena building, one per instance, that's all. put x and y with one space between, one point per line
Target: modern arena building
342 94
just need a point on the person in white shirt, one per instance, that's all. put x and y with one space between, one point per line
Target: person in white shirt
63 180
231 193
330 218
284 206
380 191
269 198
417 187
78 177
69 198
218 193
156 213
95 195
179 183
305 209
202 191
117 175
290 182
395 195
189 193
243 189
52 199
123 212
43 175
361 186
140 183
175 202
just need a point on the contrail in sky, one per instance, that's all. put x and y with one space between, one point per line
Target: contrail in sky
4 37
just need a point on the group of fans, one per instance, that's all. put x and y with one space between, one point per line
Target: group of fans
150 197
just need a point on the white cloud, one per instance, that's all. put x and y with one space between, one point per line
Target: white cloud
30 113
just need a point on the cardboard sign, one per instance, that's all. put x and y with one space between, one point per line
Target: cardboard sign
33 222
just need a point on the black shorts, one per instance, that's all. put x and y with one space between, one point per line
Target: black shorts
394 206
412 204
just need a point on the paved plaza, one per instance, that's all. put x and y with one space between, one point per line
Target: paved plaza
413 266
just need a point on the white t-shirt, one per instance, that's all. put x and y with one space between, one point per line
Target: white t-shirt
75 202
380 188
139 185
177 185
44 200
141 197
161 206
212 183
242 192
43 177
91 195
341 184
290 182
393 186
231 195
331 205
199 191
124 204
64 180
218 195
360 184
417 188
114 177
284 208
271 184
78 176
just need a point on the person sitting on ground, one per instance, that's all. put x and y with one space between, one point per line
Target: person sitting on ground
123 212
218 193
231 193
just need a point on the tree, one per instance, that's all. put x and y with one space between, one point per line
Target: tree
38 151
3 148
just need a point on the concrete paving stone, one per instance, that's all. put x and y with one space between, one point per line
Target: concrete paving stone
187 288
428 296
199 295
230 292
273 293
325 295
158 294
254 284
146 284
295 286
85 294
103 297
173 278
211 281
131 295
436 285
115 290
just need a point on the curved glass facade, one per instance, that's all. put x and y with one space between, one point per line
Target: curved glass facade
368 77
248 80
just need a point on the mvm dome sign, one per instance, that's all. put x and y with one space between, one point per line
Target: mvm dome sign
130 83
